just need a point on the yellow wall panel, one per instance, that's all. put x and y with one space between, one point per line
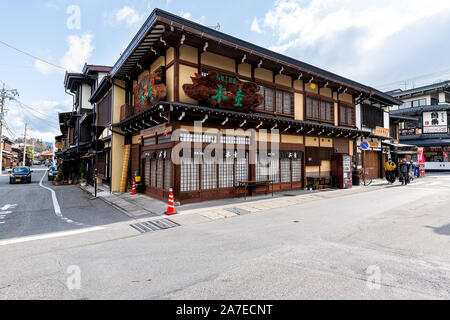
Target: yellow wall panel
336 114
309 169
298 106
284 80
289 138
264 74
245 70
169 83
221 62
309 89
186 73
325 165
161 61
311 141
326 142
326 92
170 55
346 97
118 99
189 53
298 84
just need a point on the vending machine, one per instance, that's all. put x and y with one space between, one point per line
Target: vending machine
341 171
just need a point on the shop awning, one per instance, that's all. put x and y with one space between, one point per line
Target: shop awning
430 142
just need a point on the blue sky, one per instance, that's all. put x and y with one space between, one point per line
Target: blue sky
379 43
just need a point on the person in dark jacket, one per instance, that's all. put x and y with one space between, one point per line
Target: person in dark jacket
404 172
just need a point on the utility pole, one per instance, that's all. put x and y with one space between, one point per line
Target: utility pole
25 145
4 94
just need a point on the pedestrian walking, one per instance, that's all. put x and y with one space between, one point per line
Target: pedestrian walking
390 167
404 172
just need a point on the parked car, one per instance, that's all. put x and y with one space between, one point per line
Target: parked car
20 174
52 172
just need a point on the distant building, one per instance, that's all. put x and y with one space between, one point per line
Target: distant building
425 121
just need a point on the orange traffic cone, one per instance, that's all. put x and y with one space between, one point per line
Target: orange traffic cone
171 209
133 189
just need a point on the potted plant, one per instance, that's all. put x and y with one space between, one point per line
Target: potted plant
59 177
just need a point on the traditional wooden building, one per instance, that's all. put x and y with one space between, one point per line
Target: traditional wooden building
78 132
265 116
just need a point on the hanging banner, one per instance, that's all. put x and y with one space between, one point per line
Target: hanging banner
435 122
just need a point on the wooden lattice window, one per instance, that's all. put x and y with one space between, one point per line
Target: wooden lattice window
153 173
285 170
241 169
160 172
226 174
147 171
296 170
209 176
168 174
189 175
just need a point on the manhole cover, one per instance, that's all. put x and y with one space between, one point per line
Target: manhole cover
238 211
155 225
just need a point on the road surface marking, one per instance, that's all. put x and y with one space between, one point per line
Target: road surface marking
8 206
56 204
48 236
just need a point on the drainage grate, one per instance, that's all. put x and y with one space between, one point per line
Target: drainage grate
238 211
155 225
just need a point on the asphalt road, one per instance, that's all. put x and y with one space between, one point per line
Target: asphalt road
28 209
389 243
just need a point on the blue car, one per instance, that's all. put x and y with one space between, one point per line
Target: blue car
20 175
52 172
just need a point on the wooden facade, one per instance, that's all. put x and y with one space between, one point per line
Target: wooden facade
313 111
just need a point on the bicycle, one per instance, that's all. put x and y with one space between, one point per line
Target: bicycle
365 178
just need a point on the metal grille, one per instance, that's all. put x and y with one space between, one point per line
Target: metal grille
296 170
285 170
209 176
153 173
189 179
226 179
241 169
155 225
160 171
168 174
147 171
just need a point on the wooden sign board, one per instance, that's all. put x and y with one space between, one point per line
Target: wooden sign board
382 132
224 91
149 91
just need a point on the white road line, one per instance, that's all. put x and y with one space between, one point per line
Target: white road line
49 236
55 200
56 204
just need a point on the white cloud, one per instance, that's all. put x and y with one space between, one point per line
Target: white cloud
255 26
355 37
188 16
296 23
80 49
43 67
129 15
42 122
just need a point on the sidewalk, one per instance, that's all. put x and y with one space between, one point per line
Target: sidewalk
135 206
141 206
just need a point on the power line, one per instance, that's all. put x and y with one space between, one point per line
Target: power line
34 57
424 76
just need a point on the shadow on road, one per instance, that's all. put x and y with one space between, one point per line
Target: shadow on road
444 230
